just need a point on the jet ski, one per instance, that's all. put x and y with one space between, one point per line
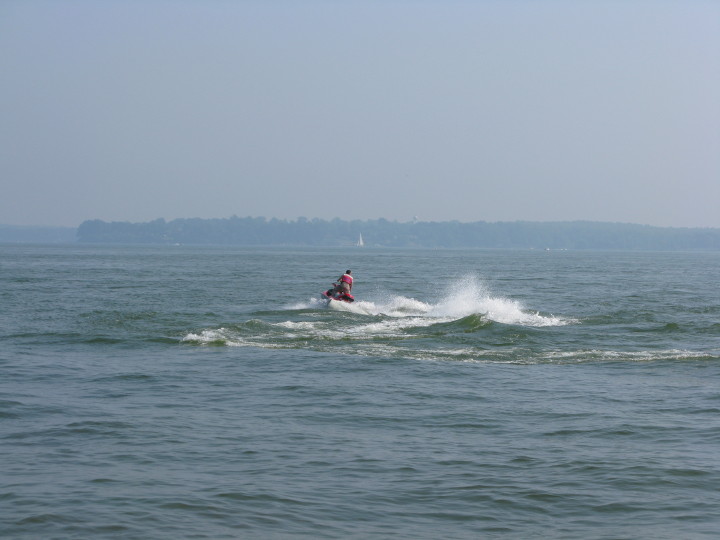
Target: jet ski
332 294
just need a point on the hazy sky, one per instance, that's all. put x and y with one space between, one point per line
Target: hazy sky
359 109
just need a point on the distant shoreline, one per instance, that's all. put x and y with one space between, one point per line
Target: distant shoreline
259 231
251 231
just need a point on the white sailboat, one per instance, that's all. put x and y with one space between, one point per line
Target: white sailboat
360 242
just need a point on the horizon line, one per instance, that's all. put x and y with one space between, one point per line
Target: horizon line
329 220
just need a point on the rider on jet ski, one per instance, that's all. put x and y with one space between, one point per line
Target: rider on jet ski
343 286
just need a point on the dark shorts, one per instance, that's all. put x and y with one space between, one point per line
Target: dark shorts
343 287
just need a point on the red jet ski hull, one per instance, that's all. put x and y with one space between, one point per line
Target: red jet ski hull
338 297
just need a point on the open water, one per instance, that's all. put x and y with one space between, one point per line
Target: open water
206 392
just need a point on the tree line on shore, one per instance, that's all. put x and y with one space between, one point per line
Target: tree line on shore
259 231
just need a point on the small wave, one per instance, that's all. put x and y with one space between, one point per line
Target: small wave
422 338
594 355
209 337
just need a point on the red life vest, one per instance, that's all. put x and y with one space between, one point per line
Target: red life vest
347 279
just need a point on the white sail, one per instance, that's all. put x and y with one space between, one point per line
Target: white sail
360 242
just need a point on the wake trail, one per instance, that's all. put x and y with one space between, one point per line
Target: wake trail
377 324
462 298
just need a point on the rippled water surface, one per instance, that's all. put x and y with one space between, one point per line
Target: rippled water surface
206 392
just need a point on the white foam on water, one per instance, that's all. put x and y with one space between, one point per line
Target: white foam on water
401 306
393 327
392 316
206 336
468 296
462 298
220 336
361 308
623 356
297 325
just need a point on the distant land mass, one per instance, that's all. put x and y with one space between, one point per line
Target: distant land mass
259 231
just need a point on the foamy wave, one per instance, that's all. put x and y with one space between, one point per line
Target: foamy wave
624 356
468 297
218 336
393 327
464 297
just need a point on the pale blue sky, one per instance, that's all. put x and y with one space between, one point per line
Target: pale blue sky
359 109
